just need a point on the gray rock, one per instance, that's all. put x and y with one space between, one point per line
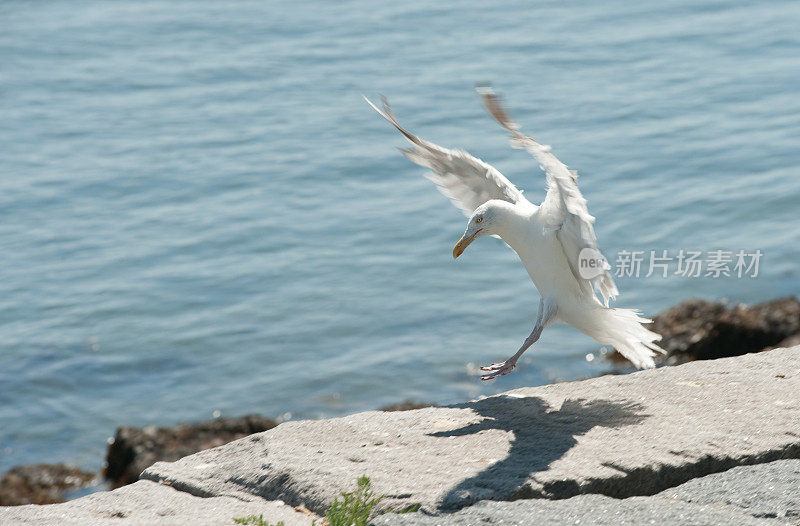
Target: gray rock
742 495
147 503
620 436
584 510
769 490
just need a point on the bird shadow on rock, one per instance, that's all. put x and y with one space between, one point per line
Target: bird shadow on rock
541 435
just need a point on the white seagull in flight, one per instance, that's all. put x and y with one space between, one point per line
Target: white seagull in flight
555 240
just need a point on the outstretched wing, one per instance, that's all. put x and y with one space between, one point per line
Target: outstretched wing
564 209
466 180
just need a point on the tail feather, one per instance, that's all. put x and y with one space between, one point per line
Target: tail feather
624 329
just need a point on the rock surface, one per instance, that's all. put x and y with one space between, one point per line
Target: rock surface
620 436
40 483
764 495
135 449
769 490
597 510
147 503
701 330
742 495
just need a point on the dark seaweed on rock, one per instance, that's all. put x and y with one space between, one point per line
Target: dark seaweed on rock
40 483
407 405
135 449
703 330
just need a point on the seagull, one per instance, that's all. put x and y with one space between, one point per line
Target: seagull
555 240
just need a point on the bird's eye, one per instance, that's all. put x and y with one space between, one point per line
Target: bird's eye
479 220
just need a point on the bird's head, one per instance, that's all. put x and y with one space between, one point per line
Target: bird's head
483 222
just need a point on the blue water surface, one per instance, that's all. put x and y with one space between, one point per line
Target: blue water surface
200 214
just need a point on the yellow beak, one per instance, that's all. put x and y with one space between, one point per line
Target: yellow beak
463 243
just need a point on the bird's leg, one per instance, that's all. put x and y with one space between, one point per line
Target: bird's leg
501 368
545 316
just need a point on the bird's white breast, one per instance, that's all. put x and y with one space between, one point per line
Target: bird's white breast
544 259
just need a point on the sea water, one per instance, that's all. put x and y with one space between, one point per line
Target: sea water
201 216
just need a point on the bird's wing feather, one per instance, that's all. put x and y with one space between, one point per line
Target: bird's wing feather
564 208
466 180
